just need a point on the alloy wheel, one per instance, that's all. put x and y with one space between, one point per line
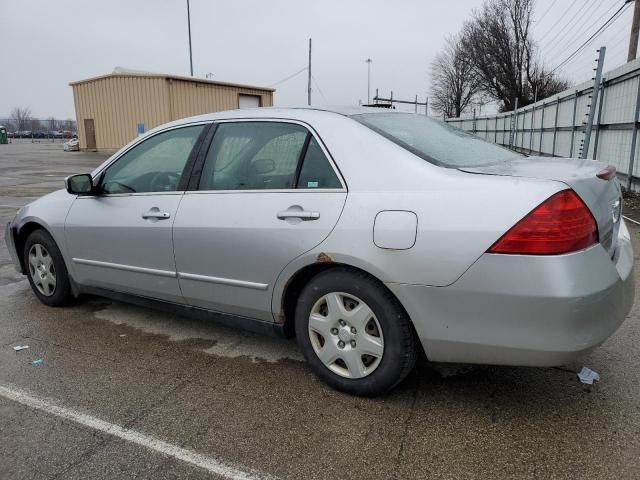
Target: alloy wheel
42 270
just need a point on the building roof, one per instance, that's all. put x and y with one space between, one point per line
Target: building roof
122 72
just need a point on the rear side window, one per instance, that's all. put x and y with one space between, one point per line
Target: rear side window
435 141
265 156
316 171
253 156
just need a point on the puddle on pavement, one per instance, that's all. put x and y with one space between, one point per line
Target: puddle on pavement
227 341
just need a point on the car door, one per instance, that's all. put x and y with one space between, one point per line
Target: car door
121 239
267 192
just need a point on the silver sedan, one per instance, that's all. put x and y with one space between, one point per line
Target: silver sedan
373 236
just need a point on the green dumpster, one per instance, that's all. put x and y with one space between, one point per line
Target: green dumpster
3 135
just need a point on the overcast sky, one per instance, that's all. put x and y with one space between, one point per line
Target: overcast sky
48 44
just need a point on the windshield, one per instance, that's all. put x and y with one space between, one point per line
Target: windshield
435 141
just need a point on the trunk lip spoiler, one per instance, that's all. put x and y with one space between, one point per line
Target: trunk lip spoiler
607 173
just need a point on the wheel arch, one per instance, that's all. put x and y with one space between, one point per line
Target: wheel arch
296 283
21 236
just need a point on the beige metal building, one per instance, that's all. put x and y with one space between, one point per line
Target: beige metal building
111 109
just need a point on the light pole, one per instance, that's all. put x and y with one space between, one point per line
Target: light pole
189 28
369 80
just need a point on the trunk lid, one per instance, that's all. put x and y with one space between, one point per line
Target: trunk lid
603 197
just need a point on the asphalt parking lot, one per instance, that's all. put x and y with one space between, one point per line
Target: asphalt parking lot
126 392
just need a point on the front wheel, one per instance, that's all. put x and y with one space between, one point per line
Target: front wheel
354 333
46 269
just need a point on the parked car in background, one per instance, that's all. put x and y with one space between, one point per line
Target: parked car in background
72 145
370 235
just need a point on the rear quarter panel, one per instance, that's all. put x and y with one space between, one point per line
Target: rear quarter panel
460 215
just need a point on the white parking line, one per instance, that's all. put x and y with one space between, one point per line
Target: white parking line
213 465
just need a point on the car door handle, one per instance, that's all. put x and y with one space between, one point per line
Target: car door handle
304 215
155 213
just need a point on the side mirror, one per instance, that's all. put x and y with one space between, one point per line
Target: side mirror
263 166
79 184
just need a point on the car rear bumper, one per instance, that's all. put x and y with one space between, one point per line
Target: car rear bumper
525 310
9 240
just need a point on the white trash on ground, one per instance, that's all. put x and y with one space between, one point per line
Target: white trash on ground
588 376
20 347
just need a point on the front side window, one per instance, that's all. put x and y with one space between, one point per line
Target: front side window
253 156
155 165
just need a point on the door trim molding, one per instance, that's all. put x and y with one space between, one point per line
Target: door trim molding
127 268
166 273
223 281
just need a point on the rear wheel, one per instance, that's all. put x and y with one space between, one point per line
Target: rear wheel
354 333
46 269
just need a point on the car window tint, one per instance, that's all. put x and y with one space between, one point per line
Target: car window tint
316 170
155 165
253 156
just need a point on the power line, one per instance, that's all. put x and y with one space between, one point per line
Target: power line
319 90
563 47
594 36
547 10
304 69
563 32
604 26
559 20
621 35
586 60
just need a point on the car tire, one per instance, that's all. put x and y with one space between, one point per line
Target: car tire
46 270
337 348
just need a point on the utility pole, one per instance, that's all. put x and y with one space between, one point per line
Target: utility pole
189 27
309 77
368 60
594 100
635 29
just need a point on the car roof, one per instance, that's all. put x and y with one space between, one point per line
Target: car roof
302 113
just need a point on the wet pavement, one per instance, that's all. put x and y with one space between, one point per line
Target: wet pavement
124 392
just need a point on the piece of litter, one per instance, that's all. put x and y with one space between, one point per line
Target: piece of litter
20 347
588 376
123 334
37 362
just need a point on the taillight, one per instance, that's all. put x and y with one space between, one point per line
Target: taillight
560 224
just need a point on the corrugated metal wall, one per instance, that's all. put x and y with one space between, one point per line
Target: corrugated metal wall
190 98
117 103
558 127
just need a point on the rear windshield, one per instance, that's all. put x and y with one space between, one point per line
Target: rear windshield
435 141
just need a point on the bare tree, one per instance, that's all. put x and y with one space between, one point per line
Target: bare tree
498 42
453 82
21 118
52 123
68 124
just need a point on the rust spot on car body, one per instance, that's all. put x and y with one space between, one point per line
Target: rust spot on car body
323 258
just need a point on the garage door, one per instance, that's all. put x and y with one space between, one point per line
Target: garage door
248 101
